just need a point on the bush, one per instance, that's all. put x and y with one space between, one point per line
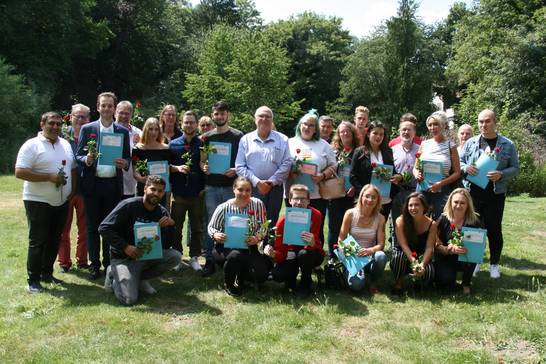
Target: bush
530 180
21 110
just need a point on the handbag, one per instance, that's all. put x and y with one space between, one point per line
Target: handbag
332 188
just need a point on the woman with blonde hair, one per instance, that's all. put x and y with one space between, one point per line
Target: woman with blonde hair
168 122
367 226
458 212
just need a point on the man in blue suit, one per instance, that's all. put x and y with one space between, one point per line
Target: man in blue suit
102 185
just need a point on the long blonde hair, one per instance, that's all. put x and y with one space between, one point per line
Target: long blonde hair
146 129
470 217
165 108
359 206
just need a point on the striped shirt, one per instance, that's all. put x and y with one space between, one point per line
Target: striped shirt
217 223
431 150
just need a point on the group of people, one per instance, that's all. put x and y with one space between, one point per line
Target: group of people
62 172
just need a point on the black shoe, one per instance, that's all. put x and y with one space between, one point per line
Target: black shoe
50 279
397 291
83 266
209 269
94 273
233 291
35 287
65 269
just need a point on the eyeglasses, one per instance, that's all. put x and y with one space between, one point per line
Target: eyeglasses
299 199
54 123
80 116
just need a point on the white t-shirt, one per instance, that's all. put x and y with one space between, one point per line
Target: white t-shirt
39 155
129 181
318 152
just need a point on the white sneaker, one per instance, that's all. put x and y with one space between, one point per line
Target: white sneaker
194 263
146 287
476 270
494 271
108 280
178 267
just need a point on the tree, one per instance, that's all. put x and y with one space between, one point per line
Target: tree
237 13
246 70
318 48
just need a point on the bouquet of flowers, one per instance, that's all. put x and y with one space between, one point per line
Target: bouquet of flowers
253 224
343 157
349 247
381 172
417 265
186 157
141 166
91 146
138 120
418 162
206 149
268 233
406 179
456 236
298 161
146 244
493 154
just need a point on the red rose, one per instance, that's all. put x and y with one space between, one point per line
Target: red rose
414 254
63 162
187 147
452 226
417 155
298 151
374 164
92 135
203 139
347 149
497 149
67 118
134 158
251 212
138 105
336 246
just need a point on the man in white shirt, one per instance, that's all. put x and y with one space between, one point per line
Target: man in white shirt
46 164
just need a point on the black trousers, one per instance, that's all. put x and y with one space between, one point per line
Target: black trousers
491 209
305 261
97 206
245 265
336 211
45 225
446 268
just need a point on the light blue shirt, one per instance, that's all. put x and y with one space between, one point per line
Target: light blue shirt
106 171
267 159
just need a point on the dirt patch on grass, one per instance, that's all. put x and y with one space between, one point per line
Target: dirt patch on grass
177 321
540 233
521 351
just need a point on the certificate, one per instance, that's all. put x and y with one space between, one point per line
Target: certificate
474 241
161 169
110 148
432 173
346 174
485 164
304 177
220 161
296 221
236 229
353 264
383 186
148 239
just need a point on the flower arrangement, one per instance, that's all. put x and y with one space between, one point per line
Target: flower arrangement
493 154
381 172
349 247
406 179
343 157
138 119
298 161
141 165
186 156
268 232
417 265
456 236
206 149
91 146
146 244
253 225
418 162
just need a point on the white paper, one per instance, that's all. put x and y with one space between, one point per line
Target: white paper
239 222
221 149
157 168
432 168
309 169
146 232
297 217
474 237
112 140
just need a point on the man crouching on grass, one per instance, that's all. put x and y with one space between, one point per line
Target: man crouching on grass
126 274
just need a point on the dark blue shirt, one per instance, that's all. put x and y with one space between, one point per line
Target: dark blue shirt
180 184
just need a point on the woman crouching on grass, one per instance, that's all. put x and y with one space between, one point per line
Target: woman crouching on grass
416 234
367 226
458 212
241 264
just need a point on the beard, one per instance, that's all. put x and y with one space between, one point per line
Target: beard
220 122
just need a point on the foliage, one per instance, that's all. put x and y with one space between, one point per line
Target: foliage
246 70
317 47
237 13
21 110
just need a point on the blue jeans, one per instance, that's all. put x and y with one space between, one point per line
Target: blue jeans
374 268
214 196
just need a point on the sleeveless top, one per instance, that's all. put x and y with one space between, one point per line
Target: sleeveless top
438 152
420 245
365 236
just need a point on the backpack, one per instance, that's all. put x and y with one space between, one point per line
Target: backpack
333 276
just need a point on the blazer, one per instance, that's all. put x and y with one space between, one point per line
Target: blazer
87 176
361 168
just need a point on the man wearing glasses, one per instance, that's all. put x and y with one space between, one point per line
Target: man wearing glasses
46 164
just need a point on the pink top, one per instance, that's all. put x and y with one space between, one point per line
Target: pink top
365 236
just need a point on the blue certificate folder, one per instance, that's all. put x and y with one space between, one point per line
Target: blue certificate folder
296 221
236 229
474 241
110 148
485 164
304 176
432 173
352 263
383 186
346 173
220 160
161 169
150 231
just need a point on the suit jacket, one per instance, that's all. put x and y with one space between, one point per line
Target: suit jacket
361 168
88 173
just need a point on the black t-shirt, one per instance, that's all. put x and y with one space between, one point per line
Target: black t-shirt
445 233
232 136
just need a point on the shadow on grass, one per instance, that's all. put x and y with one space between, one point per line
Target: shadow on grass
522 263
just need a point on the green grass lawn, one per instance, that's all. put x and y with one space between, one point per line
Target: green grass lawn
192 320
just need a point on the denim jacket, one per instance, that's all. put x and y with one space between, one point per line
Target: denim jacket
508 160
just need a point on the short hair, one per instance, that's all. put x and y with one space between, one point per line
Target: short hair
299 188
440 117
125 103
265 108
146 128
362 109
189 113
205 118
408 117
220 106
326 119
108 94
316 134
49 114
242 179
75 107
470 217
156 180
